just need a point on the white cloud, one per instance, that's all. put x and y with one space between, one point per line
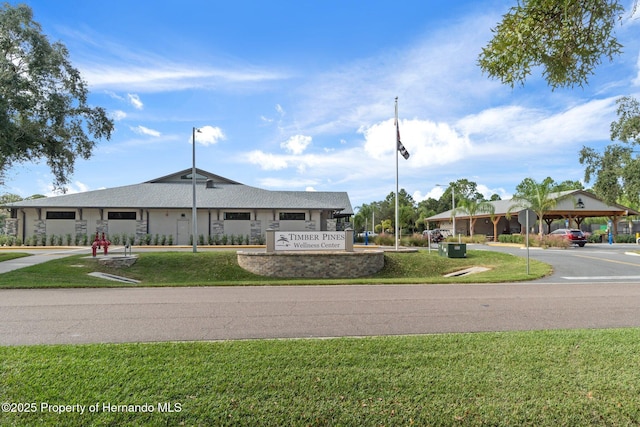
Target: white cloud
287 183
71 188
296 144
515 131
435 193
141 130
209 135
118 115
135 101
310 189
161 77
426 141
266 161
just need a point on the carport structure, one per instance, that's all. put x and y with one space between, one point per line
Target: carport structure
573 206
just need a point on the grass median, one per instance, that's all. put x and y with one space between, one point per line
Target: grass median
222 269
583 377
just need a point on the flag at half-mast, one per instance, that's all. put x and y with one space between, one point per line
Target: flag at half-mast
401 148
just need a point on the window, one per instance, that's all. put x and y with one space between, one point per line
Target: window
291 216
121 215
237 216
61 215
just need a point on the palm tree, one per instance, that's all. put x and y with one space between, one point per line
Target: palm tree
473 207
535 196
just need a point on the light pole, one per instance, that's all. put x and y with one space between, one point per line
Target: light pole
453 206
194 215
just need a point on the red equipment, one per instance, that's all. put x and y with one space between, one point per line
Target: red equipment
100 242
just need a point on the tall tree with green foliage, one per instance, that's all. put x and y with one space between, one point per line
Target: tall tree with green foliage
567 38
44 113
407 216
616 171
537 196
473 207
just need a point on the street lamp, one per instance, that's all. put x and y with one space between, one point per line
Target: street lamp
194 215
453 206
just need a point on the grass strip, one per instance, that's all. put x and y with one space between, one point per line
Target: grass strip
221 268
6 256
582 377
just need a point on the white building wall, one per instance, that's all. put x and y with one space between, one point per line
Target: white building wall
238 228
61 227
167 222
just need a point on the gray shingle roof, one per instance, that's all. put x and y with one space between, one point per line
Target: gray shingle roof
164 195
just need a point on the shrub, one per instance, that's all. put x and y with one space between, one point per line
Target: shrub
548 241
164 240
224 239
512 238
625 238
170 240
415 240
201 239
116 240
384 240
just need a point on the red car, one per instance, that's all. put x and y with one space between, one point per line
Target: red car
574 236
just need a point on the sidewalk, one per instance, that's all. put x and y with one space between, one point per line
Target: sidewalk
39 256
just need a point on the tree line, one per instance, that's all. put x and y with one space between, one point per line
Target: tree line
379 216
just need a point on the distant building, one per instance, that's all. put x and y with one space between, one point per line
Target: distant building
163 206
571 206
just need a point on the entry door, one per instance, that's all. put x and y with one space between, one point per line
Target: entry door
184 232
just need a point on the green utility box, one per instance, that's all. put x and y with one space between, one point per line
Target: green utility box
452 250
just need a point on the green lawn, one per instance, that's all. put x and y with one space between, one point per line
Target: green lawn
549 378
221 268
6 256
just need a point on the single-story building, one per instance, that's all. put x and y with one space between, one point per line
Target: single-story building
573 206
163 206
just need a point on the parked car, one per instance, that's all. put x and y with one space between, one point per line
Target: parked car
436 235
574 236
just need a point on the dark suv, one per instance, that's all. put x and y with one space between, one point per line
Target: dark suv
574 236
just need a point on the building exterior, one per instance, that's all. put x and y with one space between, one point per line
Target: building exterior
571 206
163 206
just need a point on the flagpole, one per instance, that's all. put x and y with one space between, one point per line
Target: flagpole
396 150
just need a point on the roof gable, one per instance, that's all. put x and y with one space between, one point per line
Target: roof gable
184 176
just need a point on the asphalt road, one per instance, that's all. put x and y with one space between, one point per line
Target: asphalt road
593 288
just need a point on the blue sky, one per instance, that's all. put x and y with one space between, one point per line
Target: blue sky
299 95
